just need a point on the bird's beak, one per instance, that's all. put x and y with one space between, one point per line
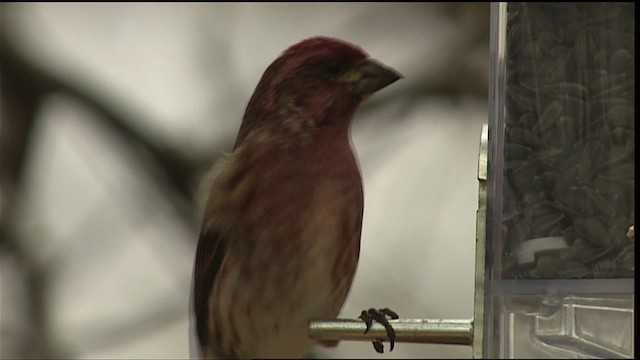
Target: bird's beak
371 76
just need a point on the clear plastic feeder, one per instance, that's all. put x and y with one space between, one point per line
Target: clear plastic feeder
560 244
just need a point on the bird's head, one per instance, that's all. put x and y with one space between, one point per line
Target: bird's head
317 82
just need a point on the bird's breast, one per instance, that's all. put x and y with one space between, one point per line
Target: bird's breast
298 213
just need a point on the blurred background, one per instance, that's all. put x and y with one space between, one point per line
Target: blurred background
111 113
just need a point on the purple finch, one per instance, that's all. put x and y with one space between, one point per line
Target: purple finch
280 236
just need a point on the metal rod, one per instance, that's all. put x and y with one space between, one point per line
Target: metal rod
436 331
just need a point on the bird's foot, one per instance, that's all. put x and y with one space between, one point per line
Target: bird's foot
381 317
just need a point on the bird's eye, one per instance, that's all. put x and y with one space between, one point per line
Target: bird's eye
334 67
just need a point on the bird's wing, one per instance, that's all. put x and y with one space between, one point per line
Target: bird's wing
209 255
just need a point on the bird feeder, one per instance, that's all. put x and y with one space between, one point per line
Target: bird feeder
555 240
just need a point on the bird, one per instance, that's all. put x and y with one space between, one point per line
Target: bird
280 236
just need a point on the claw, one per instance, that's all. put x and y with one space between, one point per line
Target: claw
367 320
381 317
390 313
378 346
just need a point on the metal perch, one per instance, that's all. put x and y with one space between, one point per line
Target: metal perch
457 332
